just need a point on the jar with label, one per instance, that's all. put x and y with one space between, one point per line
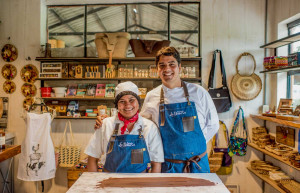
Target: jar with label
2 139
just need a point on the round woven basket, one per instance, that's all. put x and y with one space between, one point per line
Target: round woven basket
246 87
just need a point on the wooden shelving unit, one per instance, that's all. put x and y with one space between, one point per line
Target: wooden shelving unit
295 124
272 155
9 151
266 178
68 117
110 79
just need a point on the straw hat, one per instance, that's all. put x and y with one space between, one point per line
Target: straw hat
246 87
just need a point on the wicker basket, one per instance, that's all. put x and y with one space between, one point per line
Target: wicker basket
68 154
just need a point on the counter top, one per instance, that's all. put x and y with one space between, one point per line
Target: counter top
88 182
9 151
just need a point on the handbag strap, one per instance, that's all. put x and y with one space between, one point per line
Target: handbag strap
236 123
212 70
239 58
225 131
65 132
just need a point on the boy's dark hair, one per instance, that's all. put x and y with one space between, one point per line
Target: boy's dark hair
168 51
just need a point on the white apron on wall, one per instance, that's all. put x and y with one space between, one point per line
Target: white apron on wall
37 160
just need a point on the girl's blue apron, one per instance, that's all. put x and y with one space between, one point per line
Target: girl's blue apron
126 153
183 140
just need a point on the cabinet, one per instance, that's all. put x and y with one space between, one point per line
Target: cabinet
88 63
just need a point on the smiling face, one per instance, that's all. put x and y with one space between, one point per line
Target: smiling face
128 106
169 70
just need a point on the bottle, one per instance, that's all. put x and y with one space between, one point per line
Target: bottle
2 139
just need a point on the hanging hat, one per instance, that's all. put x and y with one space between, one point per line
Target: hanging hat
246 87
126 88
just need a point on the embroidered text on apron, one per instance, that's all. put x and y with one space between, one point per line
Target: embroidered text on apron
126 153
183 140
37 159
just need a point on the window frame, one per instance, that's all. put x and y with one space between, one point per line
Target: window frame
169 11
290 73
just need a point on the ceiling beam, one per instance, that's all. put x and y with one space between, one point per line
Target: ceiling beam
76 17
176 11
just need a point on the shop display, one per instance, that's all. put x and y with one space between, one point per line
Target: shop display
147 48
69 153
59 91
51 70
110 90
246 87
9 71
100 90
142 92
187 51
72 90
91 72
220 96
116 43
29 73
285 106
102 110
294 59
81 90
285 135
289 185
269 63
238 145
281 61
9 87
91 90
9 53
28 90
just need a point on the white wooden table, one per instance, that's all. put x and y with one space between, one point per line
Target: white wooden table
87 183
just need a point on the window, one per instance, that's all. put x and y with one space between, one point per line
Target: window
294 77
74 26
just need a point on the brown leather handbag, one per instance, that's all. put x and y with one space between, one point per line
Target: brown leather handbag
147 48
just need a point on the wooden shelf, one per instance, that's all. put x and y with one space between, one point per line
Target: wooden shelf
272 155
285 69
266 178
283 41
152 59
67 117
295 124
82 98
116 79
9 151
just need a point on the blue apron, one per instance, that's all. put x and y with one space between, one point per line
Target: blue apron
126 153
183 140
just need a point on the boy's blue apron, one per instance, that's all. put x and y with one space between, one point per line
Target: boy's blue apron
126 153
183 140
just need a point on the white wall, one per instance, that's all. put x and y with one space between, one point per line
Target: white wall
234 26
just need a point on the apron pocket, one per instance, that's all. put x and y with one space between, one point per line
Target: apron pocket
188 124
137 156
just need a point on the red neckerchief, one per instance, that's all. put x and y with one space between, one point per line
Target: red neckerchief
127 121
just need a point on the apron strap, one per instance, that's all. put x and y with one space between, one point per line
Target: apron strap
162 102
195 159
112 138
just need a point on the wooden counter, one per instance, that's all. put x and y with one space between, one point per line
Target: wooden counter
87 183
9 151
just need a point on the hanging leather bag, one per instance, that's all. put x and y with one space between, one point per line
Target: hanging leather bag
117 43
220 96
238 145
147 48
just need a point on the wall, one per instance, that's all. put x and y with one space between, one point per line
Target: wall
234 26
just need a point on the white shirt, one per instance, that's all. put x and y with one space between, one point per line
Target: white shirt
98 143
206 110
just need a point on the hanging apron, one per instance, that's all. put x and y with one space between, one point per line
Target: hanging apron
126 153
183 140
37 159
